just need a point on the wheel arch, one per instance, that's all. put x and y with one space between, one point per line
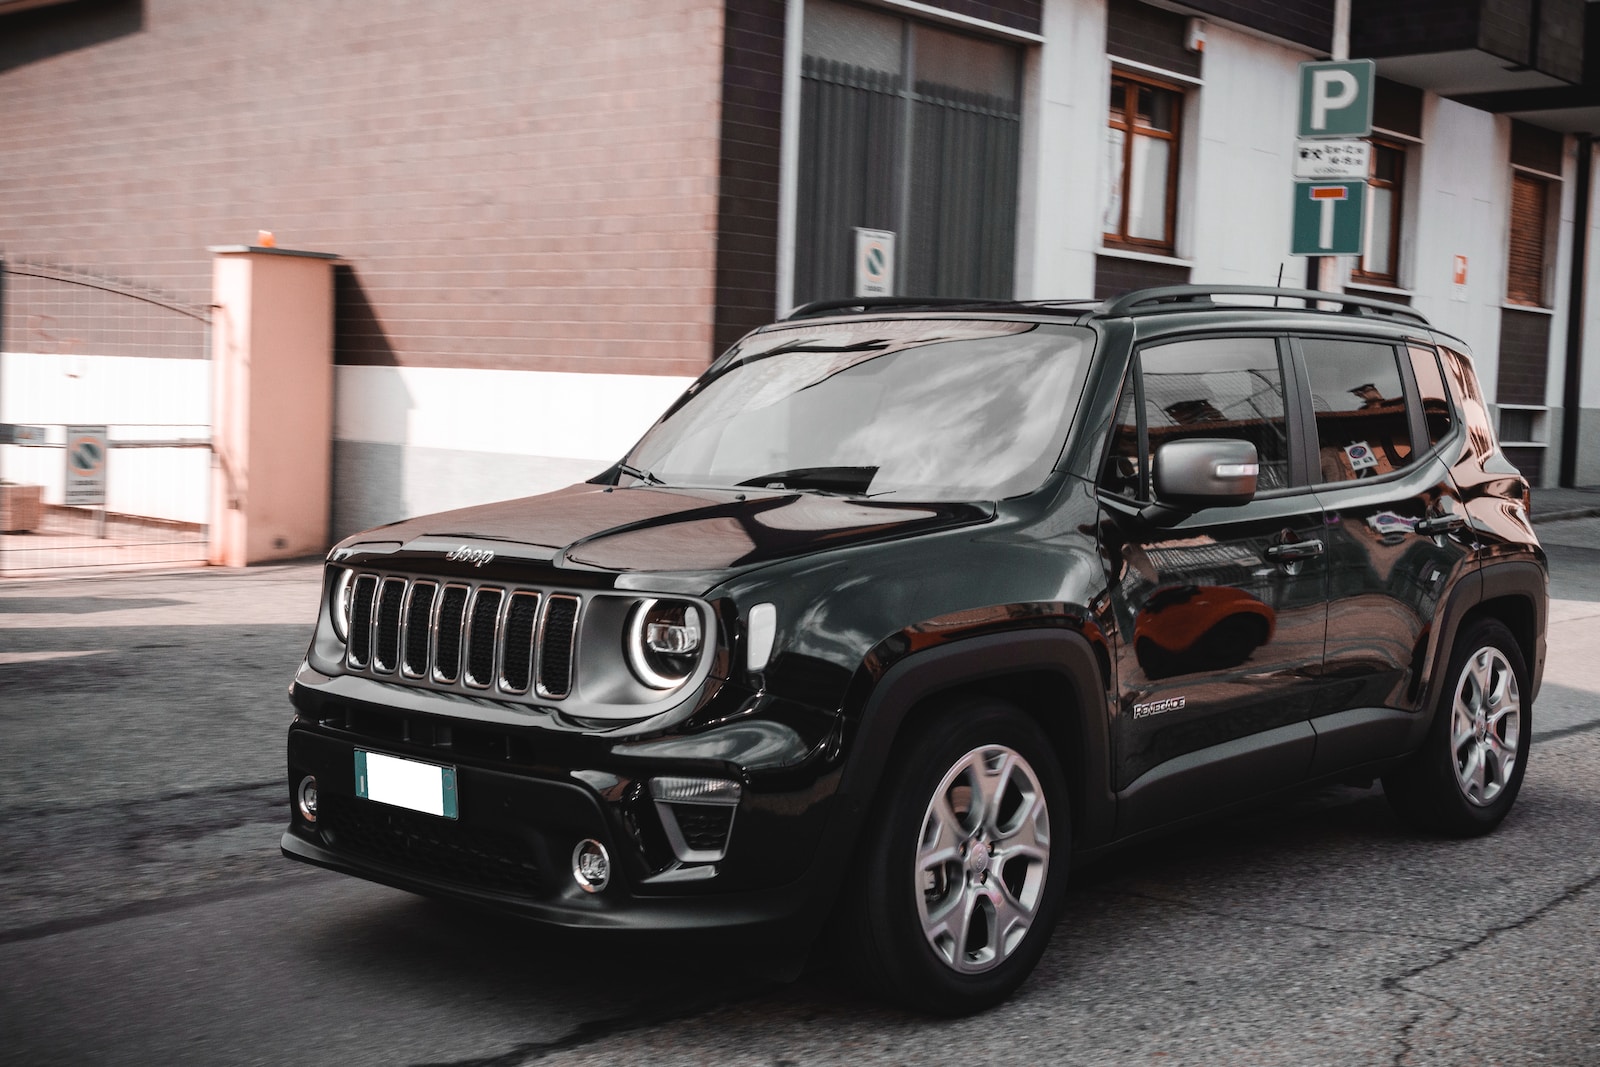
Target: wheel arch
1517 595
1053 676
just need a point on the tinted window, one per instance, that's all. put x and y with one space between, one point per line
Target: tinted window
1435 400
1362 428
1228 387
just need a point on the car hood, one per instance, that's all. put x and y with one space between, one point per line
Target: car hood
664 529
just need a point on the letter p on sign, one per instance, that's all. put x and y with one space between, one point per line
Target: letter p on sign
1336 99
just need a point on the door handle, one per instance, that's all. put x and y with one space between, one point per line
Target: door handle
1294 550
1440 524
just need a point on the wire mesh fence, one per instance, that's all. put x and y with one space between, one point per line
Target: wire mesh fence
82 353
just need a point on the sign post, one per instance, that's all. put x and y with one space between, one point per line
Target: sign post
1331 160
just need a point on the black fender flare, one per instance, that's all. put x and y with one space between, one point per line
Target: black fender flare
1524 579
1064 653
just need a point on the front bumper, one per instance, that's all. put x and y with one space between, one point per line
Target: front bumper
511 846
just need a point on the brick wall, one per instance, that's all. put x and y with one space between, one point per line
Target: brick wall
514 183
1307 22
747 208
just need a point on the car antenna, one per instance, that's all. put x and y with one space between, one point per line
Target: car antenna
1279 285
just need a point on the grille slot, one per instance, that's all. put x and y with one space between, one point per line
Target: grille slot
447 646
419 628
556 637
516 654
361 620
480 638
391 595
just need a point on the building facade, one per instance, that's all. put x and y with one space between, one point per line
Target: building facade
550 217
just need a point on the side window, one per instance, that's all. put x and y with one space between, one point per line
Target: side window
1435 399
1213 387
1360 406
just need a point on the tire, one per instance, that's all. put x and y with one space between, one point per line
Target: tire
1467 774
931 869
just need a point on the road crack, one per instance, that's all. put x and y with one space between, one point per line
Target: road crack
1397 984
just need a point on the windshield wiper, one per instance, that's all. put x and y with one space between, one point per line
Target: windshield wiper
827 479
640 473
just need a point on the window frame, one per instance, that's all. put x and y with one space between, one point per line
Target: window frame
1130 129
1359 273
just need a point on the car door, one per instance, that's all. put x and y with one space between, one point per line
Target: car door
1220 617
1393 530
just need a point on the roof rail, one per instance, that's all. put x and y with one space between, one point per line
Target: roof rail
1195 297
870 303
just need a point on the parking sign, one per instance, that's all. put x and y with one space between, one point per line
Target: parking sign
1336 98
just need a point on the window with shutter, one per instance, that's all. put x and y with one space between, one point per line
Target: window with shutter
1530 209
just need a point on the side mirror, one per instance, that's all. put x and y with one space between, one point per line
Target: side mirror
1205 472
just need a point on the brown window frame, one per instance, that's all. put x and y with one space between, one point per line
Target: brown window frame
1520 287
1391 277
1130 128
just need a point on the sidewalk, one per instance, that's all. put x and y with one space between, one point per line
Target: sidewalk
1552 505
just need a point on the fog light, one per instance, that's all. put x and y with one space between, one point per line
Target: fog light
308 798
591 867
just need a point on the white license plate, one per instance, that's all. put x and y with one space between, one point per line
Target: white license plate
406 783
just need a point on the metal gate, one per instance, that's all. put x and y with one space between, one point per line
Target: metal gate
105 422
906 147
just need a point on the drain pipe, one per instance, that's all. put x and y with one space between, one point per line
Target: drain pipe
1572 391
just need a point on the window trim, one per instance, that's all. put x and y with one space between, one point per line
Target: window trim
1135 77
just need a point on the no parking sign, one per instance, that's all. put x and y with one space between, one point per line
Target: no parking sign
874 262
86 466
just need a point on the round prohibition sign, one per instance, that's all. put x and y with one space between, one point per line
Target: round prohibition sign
875 261
86 455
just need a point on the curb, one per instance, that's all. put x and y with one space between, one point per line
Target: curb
1566 513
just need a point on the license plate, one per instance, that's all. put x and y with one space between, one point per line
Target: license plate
406 783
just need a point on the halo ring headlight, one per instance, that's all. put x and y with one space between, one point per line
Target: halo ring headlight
663 641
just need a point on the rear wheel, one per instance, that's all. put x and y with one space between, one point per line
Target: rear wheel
964 865
1469 770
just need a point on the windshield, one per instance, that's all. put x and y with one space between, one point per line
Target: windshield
923 410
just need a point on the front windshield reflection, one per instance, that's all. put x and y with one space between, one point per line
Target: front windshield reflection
919 410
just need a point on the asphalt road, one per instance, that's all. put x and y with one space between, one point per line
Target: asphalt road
146 916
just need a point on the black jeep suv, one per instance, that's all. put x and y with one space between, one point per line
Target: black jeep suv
904 606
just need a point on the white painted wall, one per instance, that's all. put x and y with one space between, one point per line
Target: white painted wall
1463 207
1058 224
414 440
137 398
1236 218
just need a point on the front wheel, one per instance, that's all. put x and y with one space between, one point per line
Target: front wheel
964 865
1470 768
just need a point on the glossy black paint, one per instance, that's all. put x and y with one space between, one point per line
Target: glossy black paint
886 609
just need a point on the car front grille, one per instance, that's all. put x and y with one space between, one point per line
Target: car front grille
483 638
428 845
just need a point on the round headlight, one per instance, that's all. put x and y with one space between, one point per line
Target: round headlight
663 642
339 603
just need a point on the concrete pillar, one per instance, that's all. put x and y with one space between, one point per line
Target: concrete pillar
272 403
